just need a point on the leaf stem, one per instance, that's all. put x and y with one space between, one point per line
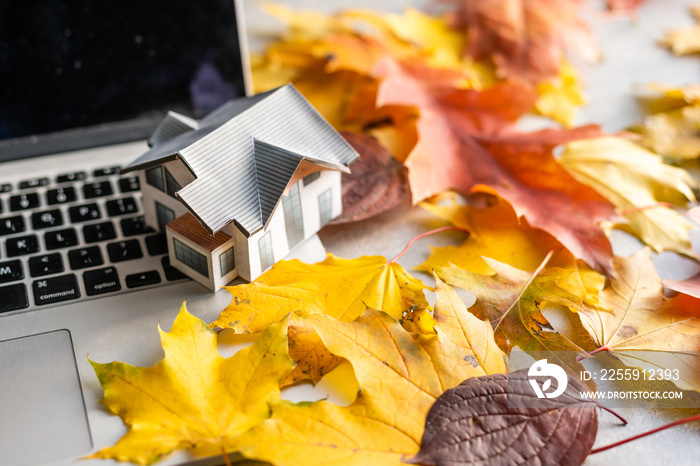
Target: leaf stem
605 408
645 207
597 350
423 235
644 434
227 460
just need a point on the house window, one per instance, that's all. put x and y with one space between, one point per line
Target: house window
170 183
265 247
166 183
154 177
325 206
191 258
227 261
293 218
164 216
311 178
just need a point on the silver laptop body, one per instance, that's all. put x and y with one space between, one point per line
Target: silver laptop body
79 272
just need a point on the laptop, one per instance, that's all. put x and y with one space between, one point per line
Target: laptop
82 86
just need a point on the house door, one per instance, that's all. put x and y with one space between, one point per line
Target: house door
293 218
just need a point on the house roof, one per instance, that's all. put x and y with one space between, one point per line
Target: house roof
244 154
188 227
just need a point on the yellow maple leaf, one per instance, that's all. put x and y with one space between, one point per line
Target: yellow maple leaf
638 317
671 128
193 399
510 299
494 231
684 41
399 376
342 288
452 321
561 97
673 134
636 181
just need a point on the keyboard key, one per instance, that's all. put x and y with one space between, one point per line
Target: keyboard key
24 201
134 226
99 232
45 264
107 171
60 239
129 184
11 225
101 281
121 207
60 195
22 245
99 189
48 219
85 257
55 289
5 187
11 271
34 183
13 297
142 279
84 213
157 245
171 273
70 177
124 250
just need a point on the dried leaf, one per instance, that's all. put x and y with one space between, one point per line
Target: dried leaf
689 286
342 288
452 322
526 39
561 97
193 399
684 41
671 129
625 5
636 181
511 299
494 232
312 358
519 168
376 184
497 419
637 317
399 376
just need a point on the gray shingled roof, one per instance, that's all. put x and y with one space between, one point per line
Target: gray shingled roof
244 154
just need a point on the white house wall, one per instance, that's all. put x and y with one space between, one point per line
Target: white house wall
151 194
311 218
241 250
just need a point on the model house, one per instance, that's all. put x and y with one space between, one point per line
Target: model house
239 189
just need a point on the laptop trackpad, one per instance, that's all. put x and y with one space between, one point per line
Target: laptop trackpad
42 413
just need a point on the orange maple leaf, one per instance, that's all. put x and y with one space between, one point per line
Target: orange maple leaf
518 167
525 38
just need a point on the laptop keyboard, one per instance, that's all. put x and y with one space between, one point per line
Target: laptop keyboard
74 237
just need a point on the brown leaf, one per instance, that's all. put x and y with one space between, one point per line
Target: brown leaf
377 181
498 419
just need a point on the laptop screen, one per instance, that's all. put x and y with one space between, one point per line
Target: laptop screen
76 73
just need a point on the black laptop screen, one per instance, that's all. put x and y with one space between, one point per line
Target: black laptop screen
83 63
